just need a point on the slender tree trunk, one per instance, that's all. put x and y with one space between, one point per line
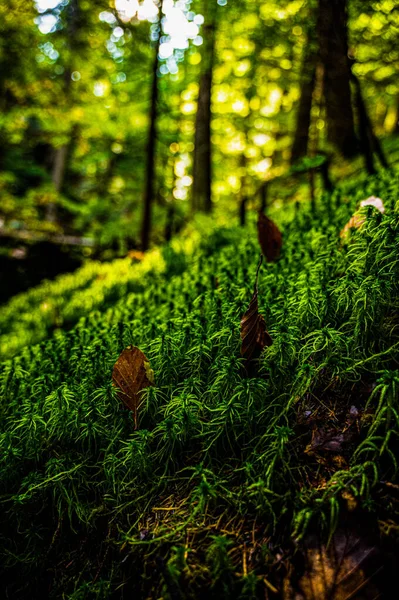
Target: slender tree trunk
308 79
64 153
243 191
104 181
59 167
263 196
378 149
170 214
61 162
57 177
333 44
171 209
151 144
325 175
369 141
62 158
364 136
202 164
243 195
314 132
243 210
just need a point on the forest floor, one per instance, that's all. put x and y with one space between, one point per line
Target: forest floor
282 484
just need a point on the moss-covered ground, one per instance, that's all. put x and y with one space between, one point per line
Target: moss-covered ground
225 474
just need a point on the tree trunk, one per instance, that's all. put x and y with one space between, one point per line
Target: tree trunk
104 181
378 148
63 153
308 78
333 43
243 190
263 196
325 175
171 208
364 133
61 161
202 164
369 141
170 215
57 177
151 144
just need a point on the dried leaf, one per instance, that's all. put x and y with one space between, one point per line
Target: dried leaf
253 332
357 220
132 374
349 568
269 237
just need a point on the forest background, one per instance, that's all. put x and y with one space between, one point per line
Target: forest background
120 120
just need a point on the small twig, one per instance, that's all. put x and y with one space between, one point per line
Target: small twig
257 273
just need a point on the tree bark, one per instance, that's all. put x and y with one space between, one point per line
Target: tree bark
202 163
369 141
57 177
151 144
364 133
61 162
170 214
242 211
325 175
333 43
263 192
63 153
308 79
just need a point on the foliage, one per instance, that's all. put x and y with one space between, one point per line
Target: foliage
85 83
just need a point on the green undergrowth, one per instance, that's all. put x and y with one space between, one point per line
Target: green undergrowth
223 470
30 317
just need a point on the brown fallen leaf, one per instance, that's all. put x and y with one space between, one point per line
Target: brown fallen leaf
132 374
269 237
254 336
349 568
357 220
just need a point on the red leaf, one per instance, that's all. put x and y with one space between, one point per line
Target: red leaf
269 237
131 375
254 335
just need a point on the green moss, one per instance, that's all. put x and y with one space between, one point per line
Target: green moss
91 507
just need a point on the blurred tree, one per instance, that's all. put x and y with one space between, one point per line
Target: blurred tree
17 68
151 141
78 131
62 154
333 49
202 162
308 79
340 105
